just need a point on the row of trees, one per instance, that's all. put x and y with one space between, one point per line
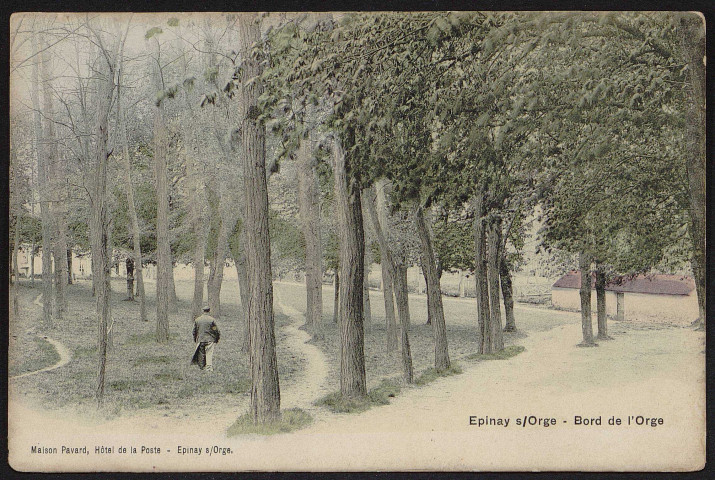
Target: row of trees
424 138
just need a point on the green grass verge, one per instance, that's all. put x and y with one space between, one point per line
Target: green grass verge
432 374
291 419
37 354
377 396
508 352
160 360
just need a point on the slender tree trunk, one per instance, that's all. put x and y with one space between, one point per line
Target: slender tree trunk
434 293
243 290
164 268
100 226
336 296
484 337
388 296
54 176
133 217
70 271
584 263
601 304
215 279
265 389
16 237
398 274
507 294
42 152
198 260
366 310
493 260
239 260
309 210
694 48
403 308
130 279
352 245
173 301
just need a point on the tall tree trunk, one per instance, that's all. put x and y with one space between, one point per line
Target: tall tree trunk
336 296
601 303
484 337
694 48
16 237
99 228
130 279
584 264
366 309
133 217
54 176
265 389
309 210
215 280
243 290
239 260
42 152
388 296
352 245
198 260
507 294
403 308
493 260
70 271
434 293
398 274
163 251
173 302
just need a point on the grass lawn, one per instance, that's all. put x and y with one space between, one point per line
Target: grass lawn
140 373
34 353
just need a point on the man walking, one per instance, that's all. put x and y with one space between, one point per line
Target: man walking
206 335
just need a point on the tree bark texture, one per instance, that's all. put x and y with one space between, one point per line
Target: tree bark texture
101 265
584 264
16 237
388 296
163 250
601 304
403 309
507 294
336 296
493 260
694 48
366 310
351 245
55 178
70 272
398 274
265 389
130 279
215 280
131 205
309 211
43 152
434 292
484 336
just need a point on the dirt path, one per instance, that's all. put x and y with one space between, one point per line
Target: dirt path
302 391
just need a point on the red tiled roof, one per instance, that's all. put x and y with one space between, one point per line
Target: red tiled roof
651 284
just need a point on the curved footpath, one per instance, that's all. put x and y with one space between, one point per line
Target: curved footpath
65 355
